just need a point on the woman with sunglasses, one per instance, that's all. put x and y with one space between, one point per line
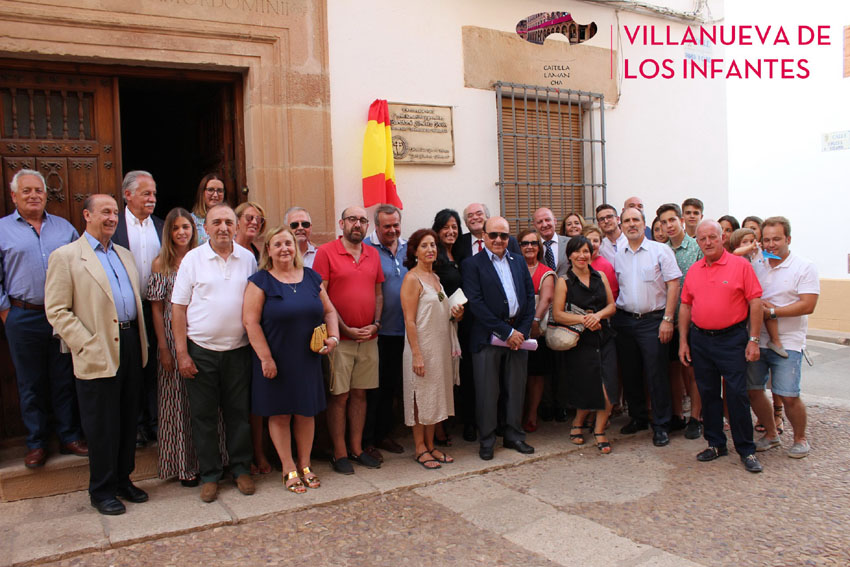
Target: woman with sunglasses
539 361
250 222
210 193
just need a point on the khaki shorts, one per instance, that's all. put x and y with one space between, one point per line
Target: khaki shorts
355 366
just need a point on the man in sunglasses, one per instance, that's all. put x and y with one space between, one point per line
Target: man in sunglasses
501 297
298 219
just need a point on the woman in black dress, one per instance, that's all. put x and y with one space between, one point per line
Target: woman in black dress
592 363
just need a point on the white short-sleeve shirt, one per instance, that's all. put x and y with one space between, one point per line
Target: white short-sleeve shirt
643 275
782 285
213 289
609 249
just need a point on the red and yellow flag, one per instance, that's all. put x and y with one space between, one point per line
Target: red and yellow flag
378 165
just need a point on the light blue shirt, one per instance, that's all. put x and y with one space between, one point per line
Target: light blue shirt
24 253
643 275
119 280
392 317
503 269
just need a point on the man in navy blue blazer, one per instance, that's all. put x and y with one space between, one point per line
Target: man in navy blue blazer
501 298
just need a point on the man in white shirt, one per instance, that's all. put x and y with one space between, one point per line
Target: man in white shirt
140 231
790 290
299 221
212 349
609 224
649 291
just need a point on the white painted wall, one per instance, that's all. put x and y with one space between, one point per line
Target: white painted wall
666 140
776 165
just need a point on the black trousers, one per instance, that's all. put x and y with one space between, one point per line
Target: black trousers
109 408
380 416
715 359
148 402
641 355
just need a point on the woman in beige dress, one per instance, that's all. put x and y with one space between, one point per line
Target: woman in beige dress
431 345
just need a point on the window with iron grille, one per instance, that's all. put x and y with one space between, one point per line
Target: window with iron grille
551 152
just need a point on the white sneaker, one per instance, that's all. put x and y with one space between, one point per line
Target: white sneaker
764 443
799 450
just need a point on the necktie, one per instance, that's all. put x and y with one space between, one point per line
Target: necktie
478 243
549 258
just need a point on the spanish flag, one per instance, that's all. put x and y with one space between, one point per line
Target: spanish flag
378 166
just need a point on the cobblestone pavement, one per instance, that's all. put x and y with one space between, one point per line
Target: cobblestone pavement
639 506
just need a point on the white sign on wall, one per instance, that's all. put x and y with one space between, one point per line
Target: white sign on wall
835 141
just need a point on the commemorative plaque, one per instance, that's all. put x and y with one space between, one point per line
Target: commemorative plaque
422 134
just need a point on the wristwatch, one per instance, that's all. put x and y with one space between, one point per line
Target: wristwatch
537 319
754 340
772 313
377 324
668 319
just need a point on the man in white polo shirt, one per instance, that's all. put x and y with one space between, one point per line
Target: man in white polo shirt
790 293
212 349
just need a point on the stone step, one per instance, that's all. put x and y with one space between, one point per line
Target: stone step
61 473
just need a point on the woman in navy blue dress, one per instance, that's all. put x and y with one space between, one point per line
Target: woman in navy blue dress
284 302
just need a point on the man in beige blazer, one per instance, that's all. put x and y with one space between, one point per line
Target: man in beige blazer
92 300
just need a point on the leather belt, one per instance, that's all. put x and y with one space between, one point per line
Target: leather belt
25 305
658 313
716 332
123 325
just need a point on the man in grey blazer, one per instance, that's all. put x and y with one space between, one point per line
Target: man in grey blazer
555 245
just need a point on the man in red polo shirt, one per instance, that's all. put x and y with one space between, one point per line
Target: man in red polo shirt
720 292
351 274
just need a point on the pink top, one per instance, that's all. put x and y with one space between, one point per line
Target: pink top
537 276
719 294
600 264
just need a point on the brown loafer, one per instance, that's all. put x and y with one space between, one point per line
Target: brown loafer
209 491
35 458
245 484
78 447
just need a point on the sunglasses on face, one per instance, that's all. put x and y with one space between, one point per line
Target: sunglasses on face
529 243
302 224
495 235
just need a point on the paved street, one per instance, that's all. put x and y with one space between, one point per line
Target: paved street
566 505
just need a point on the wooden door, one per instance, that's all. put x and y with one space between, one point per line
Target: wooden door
64 126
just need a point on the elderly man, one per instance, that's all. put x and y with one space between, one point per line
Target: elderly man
609 223
299 221
212 349
637 203
140 231
555 253
791 290
92 299
472 242
687 252
692 209
45 376
649 291
715 341
352 276
501 297
392 249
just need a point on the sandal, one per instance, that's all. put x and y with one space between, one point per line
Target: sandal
603 446
577 438
530 427
759 427
427 463
297 486
446 459
777 417
309 478
262 469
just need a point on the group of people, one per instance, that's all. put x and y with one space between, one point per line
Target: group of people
196 329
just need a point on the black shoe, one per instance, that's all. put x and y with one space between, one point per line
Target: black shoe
712 453
342 465
191 482
520 446
470 434
751 463
561 415
546 413
694 429
141 439
660 438
677 423
366 460
634 426
109 506
133 494
486 453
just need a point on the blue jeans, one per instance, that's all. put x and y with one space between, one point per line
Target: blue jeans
784 372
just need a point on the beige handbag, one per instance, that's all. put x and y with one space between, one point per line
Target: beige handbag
317 341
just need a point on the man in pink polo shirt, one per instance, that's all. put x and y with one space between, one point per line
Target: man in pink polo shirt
351 275
715 341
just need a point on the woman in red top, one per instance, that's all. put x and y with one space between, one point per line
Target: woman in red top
598 263
539 364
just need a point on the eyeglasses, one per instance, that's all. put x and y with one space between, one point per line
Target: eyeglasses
529 243
302 224
215 190
249 218
354 220
495 235
605 218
